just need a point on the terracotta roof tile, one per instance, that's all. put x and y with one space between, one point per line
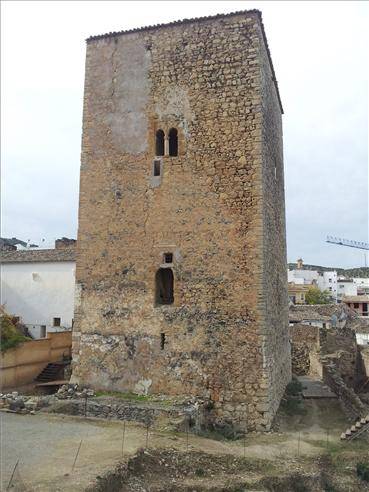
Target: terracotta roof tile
38 255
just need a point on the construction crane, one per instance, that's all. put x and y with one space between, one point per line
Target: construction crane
349 243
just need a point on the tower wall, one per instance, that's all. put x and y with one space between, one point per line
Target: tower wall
215 208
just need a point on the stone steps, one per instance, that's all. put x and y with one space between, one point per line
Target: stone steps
361 426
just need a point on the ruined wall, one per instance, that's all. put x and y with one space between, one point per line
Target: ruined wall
225 337
351 403
305 349
343 342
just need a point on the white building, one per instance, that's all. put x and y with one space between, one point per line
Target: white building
362 338
324 280
38 287
303 277
328 281
345 287
362 285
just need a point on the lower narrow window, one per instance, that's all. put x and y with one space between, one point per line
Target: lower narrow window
168 257
162 341
164 286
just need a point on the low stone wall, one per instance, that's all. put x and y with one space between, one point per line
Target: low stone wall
75 400
21 365
365 360
352 405
120 411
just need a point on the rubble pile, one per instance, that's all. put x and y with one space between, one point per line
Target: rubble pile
71 391
21 403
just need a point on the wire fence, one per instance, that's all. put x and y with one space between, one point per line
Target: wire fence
149 437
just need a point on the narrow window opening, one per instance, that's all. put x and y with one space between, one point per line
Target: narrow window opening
162 341
157 168
159 147
168 257
56 322
173 142
164 286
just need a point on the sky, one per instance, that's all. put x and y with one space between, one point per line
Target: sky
320 55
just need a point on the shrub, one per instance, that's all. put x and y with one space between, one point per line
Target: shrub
362 471
294 387
200 472
10 337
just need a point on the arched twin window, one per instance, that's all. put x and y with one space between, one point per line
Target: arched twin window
159 143
173 143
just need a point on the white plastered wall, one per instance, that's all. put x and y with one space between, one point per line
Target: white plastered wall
38 293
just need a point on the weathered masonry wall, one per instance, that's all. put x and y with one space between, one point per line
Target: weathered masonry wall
225 337
276 346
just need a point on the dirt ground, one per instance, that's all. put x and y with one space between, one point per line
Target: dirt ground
46 446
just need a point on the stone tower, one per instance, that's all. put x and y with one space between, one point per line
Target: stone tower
181 268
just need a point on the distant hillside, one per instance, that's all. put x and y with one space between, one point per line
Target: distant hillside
347 272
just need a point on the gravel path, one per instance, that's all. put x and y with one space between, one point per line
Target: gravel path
46 447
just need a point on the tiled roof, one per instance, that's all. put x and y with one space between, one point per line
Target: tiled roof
318 311
198 19
362 298
38 255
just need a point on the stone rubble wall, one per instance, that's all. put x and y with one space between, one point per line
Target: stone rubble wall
123 411
274 294
305 342
350 401
226 335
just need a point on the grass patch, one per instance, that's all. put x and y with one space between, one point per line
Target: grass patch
339 447
133 397
123 396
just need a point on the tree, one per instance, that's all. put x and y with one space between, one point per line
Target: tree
316 296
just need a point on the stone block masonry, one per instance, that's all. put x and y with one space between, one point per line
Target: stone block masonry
181 255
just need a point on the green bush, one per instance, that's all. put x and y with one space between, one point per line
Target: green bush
9 335
200 472
294 387
362 471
